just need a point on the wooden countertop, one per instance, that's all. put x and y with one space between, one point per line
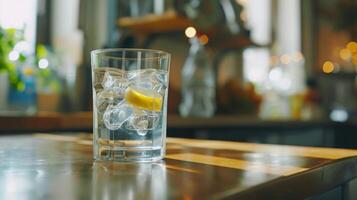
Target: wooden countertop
47 121
82 121
43 166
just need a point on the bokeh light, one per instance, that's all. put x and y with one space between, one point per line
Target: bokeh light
285 59
14 55
339 115
345 54
203 39
190 32
274 60
328 67
275 74
43 63
297 57
28 71
352 47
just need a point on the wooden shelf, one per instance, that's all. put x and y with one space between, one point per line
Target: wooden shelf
167 22
171 21
231 42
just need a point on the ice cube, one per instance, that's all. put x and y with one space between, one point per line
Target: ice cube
141 132
116 82
152 79
104 98
115 116
100 75
111 79
108 80
160 88
141 127
119 87
144 78
141 74
143 121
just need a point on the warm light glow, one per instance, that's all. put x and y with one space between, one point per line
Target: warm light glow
43 63
345 54
285 59
298 57
14 55
328 67
28 71
190 32
203 39
274 60
352 47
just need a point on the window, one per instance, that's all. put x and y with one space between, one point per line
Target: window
20 14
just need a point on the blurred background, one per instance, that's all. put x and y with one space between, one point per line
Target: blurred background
271 71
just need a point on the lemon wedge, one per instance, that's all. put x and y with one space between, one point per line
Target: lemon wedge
143 98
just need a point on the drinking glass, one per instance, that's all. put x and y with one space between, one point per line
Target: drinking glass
130 89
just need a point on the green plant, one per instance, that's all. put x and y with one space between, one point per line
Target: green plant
47 78
46 74
8 39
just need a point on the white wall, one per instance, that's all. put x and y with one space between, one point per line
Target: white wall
64 28
259 20
256 60
288 42
288 30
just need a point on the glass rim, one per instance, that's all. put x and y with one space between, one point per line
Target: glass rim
108 50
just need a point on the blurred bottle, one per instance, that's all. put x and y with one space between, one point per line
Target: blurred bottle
198 83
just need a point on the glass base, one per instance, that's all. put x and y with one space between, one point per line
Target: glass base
129 154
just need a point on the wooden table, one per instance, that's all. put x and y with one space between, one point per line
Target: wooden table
43 166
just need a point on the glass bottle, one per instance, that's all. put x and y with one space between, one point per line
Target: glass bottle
198 83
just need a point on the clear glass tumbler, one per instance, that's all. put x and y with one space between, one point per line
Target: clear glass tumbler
130 89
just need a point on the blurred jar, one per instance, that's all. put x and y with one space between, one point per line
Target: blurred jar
284 88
